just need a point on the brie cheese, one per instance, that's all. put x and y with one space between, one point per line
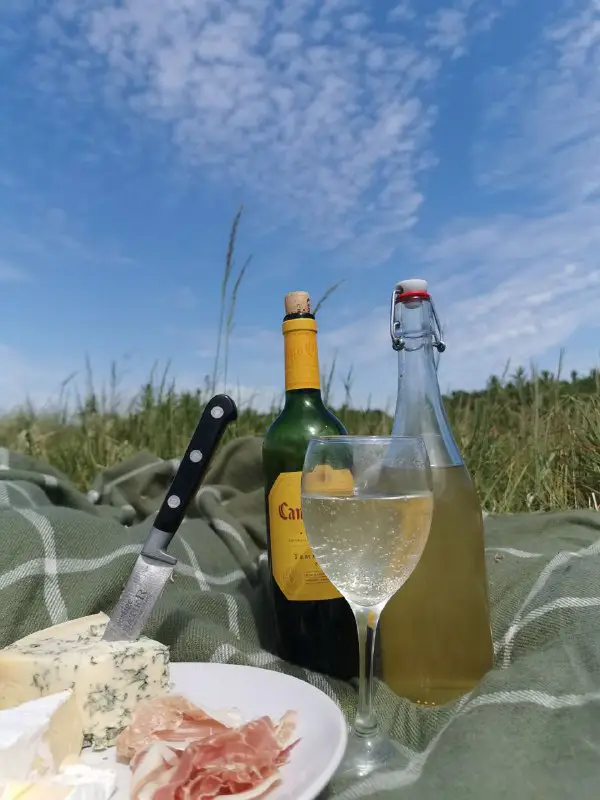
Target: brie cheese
36 737
76 782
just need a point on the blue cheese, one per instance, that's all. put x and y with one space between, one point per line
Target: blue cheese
108 679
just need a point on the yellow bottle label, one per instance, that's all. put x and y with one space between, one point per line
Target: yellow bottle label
294 566
301 354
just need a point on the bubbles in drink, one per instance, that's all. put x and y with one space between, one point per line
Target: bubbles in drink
368 569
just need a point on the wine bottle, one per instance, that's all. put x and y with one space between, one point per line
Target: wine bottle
436 639
314 625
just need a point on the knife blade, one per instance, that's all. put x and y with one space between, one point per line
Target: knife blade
154 565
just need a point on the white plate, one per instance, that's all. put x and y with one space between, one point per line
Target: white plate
256 692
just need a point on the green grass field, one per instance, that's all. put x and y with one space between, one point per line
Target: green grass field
531 443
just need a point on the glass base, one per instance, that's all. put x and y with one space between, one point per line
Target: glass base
366 754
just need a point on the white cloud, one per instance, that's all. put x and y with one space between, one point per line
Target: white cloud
448 30
403 12
328 121
523 319
451 27
514 286
528 281
544 134
323 117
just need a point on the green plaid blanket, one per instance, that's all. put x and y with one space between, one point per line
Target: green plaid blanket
531 729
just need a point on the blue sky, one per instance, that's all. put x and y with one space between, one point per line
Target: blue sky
456 141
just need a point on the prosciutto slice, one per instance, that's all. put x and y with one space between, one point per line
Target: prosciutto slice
179 752
170 718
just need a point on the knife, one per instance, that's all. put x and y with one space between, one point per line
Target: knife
154 565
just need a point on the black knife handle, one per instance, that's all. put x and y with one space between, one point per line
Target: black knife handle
218 413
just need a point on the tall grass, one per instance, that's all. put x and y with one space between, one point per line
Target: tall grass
226 323
531 441
531 445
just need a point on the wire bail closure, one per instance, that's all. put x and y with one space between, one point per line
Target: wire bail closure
398 342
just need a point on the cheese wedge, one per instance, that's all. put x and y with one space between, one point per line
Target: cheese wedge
108 679
38 736
75 783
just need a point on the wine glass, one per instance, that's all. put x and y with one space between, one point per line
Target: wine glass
367 503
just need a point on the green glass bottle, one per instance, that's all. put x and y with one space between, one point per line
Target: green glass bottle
314 625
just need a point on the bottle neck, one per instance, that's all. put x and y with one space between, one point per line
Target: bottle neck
301 357
419 406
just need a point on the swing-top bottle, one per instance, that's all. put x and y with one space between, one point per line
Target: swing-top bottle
435 633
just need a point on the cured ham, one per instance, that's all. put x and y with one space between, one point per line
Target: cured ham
179 752
170 718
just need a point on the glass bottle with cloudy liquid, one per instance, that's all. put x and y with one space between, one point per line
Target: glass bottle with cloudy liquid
435 636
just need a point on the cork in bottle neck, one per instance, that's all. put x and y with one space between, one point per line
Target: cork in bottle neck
297 303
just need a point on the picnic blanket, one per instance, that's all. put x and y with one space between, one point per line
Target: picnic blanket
530 729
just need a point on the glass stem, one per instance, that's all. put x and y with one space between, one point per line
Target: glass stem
365 724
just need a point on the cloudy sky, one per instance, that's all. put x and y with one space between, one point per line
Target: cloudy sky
368 141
